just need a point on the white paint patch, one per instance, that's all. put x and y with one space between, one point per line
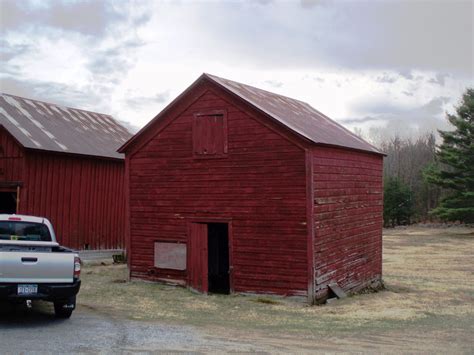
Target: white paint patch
36 143
73 115
45 107
25 132
49 134
17 125
56 109
13 102
88 116
62 146
37 123
32 104
10 118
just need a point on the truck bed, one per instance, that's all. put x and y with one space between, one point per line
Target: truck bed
35 262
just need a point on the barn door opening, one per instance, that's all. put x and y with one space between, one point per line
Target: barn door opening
8 202
208 257
218 258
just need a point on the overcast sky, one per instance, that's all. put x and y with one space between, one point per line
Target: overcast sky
397 64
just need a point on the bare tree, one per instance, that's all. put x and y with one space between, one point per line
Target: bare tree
406 160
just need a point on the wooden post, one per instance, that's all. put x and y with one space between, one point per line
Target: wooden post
17 199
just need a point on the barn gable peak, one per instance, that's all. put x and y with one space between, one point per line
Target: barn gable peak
297 116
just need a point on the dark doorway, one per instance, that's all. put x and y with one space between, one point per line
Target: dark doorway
7 202
218 258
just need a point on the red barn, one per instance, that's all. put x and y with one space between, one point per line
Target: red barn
235 189
61 163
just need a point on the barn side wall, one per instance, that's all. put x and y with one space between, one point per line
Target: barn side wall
11 158
83 197
260 186
348 218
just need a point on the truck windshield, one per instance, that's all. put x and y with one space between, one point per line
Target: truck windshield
29 231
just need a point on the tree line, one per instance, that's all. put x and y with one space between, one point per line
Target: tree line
426 181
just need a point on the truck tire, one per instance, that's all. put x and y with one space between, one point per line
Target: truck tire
63 309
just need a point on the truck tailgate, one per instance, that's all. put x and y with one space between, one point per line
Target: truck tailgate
28 267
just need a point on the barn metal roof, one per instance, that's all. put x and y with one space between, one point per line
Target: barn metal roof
297 115
45 126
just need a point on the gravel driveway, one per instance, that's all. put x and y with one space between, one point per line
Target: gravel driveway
89 331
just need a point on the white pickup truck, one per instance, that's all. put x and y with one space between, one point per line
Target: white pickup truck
34 267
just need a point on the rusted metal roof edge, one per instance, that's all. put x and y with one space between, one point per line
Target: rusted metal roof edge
92 156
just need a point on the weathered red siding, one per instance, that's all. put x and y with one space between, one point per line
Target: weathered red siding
83 197
260 186
11 158
348 209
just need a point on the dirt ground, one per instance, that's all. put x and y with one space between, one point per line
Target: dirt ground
427 307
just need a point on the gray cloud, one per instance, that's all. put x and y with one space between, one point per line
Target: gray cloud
359 120
140 101
399 120
8 51
131 127
104 32
319 79
109 65
391 35
274 83
439 79
308 4
386 78
52 92
407 74
87 17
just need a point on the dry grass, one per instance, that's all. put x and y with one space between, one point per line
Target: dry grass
428 274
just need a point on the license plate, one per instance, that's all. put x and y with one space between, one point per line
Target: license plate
27 289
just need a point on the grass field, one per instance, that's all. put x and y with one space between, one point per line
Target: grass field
427 306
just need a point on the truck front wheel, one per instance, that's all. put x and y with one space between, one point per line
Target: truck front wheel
63 309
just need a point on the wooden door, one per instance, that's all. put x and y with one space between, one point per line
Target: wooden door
197 257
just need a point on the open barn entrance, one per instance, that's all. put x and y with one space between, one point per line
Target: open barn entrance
208 257
218 258
7 202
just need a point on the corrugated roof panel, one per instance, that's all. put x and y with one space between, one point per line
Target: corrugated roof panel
296 115
46 126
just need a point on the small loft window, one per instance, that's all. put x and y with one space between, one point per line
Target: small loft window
210 134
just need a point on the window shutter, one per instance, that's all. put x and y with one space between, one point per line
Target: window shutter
210 134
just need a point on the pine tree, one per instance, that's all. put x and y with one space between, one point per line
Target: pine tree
454 169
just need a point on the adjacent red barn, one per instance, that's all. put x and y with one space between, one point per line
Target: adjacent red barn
61 163
236 189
